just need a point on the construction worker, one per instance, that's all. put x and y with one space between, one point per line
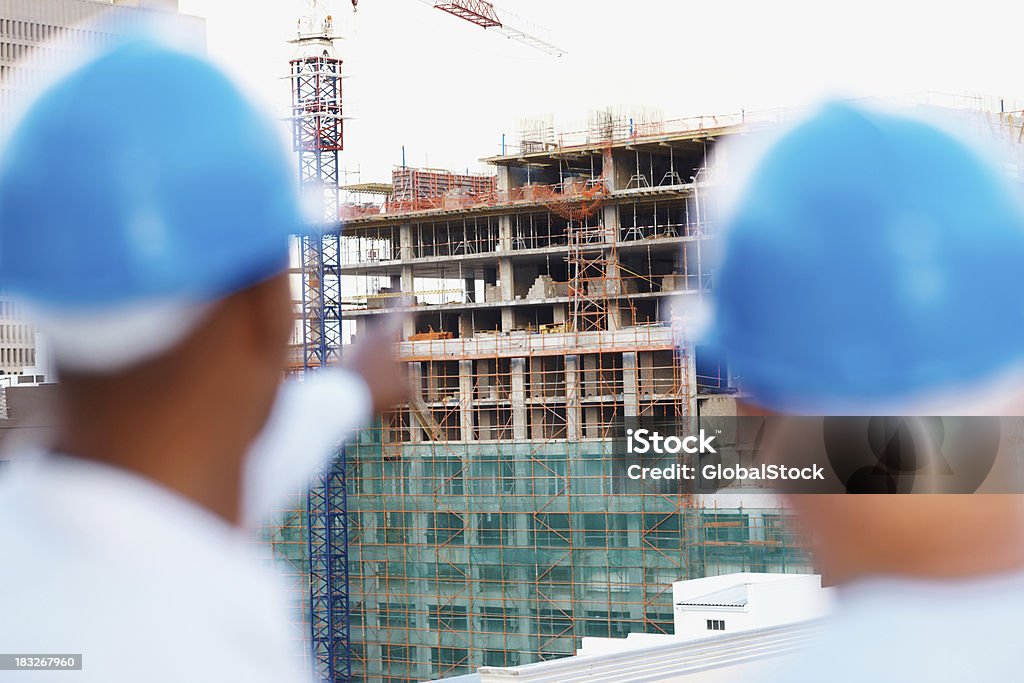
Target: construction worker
872 266
145 213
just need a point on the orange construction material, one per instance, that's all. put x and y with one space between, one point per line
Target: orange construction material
431 335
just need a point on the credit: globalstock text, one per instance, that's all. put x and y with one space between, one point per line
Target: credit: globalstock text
761 472
644 441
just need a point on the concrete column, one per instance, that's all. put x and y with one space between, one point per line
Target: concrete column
572 398
472 533
505 234
614 316
466 325
475 286
522 521
537 424
420 666
613 287
587 377
419 521
486 385
504 179
613 275
373 653
405 250
416 387
630 391
407 281
589 384
508 319
408 287
634 534
592 422
432 392
608 164
691 379
646 373
485 424
519 413
466 399
507 280
611 223
408 327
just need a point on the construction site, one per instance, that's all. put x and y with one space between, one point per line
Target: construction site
482 524
485 524
548 305
485 527
547 302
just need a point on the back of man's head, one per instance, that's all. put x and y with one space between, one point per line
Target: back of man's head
145 212
135 192
871 266
871 261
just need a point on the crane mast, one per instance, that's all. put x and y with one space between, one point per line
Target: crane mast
317 136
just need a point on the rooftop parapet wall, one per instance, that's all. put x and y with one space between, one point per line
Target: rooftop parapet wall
524 344
479 196
625 132
623 129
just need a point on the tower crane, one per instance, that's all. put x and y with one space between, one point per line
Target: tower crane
487 16
318 140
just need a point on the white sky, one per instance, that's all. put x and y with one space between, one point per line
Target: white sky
447 90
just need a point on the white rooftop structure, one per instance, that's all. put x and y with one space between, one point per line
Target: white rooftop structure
722 658
744 601
727 628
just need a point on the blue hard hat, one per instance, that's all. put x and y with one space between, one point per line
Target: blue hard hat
872 259
143 175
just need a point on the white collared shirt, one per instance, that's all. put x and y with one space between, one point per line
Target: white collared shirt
145 584
900 630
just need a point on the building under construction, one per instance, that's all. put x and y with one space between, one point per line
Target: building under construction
487 525
487 522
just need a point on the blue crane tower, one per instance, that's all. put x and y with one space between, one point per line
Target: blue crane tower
317 134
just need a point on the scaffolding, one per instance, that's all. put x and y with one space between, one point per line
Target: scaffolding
490 523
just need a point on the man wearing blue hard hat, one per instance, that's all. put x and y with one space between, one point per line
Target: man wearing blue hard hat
145 214
872 266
